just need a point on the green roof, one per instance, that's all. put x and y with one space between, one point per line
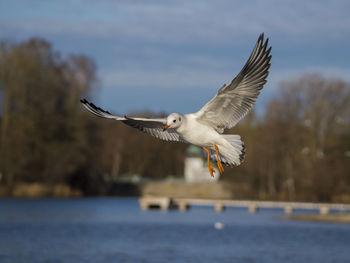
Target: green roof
193 151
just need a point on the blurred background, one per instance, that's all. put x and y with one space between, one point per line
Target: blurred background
152 58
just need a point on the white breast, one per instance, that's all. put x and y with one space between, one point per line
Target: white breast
197 133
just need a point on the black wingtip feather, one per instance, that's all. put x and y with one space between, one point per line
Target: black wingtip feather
261 36
268 51
242 155
96 109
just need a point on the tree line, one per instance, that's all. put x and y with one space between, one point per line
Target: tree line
298 149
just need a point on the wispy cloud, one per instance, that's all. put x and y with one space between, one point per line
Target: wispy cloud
201 79
186 21
182 45
176 77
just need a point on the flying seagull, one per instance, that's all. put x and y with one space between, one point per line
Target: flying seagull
205 127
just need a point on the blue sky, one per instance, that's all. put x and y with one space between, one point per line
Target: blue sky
174 55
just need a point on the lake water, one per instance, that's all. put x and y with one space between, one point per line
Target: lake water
115 230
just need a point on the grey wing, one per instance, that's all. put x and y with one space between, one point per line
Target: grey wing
153 127
233 101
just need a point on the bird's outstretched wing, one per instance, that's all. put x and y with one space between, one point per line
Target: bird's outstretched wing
233 101
153 127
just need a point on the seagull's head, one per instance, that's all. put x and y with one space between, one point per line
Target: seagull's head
173 121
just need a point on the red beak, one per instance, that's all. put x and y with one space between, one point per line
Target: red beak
165 127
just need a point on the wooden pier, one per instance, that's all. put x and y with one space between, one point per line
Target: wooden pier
183 204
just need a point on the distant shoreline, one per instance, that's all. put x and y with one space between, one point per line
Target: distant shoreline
343 218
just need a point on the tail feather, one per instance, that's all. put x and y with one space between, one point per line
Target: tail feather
223 160
230 156
239 148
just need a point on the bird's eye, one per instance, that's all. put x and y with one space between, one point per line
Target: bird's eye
174 120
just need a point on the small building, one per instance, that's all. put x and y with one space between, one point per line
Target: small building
196 167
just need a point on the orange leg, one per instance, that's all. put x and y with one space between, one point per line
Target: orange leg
221 169
211 169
